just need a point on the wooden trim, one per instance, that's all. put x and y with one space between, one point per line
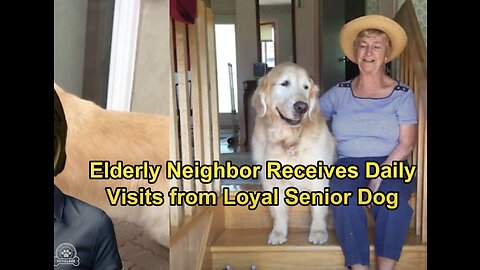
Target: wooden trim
212 66
177 232
122 54
189 242
176 212
424 202
203 65
193 232
184 105
197 91
204 247
214 231
421 163
413 71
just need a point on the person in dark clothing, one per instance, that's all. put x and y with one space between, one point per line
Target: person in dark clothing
84 236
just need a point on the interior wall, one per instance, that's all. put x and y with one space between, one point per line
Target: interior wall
70 21
224 19
221 7
246 43
281 16
332 20
151 91
98 41
307 33
224 11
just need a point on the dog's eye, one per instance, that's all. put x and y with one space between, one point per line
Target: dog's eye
285 83
305 87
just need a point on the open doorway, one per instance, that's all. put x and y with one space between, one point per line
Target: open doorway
335 66
227 87
267 40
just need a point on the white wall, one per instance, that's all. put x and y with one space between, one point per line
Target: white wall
246 39
70 20
151 85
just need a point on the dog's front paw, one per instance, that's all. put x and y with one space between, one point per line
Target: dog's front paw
318 237
277 238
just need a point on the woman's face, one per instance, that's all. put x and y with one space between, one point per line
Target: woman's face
371 52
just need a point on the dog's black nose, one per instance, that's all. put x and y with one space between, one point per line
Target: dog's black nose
300 107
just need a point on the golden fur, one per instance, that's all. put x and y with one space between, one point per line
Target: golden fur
290 128
98 134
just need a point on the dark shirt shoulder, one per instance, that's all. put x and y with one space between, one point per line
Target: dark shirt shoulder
85 233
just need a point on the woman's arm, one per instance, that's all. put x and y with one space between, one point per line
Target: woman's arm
406 142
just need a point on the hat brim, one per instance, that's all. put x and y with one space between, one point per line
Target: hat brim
394 31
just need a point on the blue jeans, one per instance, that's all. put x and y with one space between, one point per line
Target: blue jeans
351 227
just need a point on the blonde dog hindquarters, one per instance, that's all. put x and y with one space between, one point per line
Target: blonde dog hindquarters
96 134
290 128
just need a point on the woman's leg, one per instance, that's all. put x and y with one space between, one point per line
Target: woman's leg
351 220
391 226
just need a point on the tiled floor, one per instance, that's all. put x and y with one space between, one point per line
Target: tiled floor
140 252
225 136
137 250
233 153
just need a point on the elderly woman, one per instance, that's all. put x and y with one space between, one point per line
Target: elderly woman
373 118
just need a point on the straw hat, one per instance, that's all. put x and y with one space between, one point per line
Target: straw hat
394 31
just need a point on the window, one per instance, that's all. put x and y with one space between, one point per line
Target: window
267 37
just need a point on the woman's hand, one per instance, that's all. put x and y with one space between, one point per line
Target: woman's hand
373 186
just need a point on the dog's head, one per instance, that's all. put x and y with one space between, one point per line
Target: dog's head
288 93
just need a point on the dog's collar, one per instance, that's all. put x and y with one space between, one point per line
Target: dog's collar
292 150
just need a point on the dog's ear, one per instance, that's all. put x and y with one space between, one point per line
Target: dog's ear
57 88
313 111
259 99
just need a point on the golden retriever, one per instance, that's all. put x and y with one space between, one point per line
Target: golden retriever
290 128
98 134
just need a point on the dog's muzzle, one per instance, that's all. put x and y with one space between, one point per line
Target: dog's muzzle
299 108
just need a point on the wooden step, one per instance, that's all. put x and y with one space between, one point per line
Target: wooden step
240 217
242 248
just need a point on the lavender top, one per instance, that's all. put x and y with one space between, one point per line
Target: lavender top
367 127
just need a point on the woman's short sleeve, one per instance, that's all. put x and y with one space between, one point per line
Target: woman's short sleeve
407 108
326 102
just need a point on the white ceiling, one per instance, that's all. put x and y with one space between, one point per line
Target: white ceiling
274 2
